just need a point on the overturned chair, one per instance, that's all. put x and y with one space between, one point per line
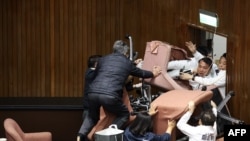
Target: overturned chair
160 53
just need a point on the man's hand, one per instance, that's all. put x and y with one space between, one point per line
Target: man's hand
191 46
171 123
191 106
137 61
152 110
157 70
186 76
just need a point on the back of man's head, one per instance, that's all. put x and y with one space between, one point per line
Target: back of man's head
208 118
120 47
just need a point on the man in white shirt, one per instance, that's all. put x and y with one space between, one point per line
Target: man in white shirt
218 81
174 67
207 128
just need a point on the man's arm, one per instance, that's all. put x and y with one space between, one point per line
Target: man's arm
182 123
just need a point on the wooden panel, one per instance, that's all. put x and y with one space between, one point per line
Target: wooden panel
3 93
44 44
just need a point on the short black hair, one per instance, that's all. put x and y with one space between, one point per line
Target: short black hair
141 124
207 60
204 50
224 55
208 118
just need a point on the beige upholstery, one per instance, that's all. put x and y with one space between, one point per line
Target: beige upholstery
158 53
15 133
173 104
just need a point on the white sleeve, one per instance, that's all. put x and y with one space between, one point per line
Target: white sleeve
197 55
219 80
184 127
177 64
215 124
182 64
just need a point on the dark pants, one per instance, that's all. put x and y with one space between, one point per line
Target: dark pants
84 115
110 104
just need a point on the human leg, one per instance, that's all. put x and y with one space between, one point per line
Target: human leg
85 113
117 107
81 130
91 118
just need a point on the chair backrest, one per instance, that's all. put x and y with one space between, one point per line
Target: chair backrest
178 53
13 131
173 104
158 53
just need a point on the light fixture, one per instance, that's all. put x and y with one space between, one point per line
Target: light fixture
208 18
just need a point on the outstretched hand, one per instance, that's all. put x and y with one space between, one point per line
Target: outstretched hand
191 46
153 110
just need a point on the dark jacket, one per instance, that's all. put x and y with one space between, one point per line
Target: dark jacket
88 78
112 72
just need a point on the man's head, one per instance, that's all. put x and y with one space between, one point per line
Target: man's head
207 118
205 51
120 47
204 66
141 124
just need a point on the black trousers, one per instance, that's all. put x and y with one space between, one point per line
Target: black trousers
109 103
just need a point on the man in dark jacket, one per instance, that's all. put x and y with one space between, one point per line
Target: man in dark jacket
106 89
88 78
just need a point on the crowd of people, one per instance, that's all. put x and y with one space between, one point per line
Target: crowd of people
107 76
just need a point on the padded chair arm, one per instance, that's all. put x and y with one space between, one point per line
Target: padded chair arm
38 136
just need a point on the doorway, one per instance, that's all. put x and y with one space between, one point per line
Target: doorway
206 37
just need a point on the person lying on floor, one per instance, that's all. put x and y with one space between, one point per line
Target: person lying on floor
141 128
